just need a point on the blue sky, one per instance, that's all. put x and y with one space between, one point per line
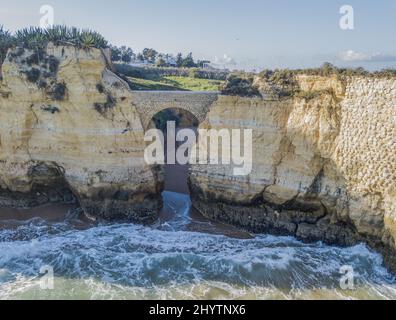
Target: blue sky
246 34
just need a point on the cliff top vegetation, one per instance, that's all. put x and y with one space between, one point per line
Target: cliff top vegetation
242 83
284 83
37 38
6 42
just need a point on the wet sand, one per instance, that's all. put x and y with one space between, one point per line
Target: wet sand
52 213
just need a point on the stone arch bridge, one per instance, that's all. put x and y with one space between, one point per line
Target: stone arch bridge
149 103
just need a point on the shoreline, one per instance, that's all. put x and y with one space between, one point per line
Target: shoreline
209 218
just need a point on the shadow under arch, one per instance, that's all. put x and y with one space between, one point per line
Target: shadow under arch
175 176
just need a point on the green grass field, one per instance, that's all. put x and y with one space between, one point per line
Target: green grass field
175 84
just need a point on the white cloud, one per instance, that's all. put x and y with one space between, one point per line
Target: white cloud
353 56
224 61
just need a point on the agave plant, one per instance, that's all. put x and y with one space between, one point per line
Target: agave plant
31 38
36 38
57 34
100 41
6 42
91 39
86 40
74 35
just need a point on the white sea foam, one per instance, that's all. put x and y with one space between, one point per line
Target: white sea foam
130 261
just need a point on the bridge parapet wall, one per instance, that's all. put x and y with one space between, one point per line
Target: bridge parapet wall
149 103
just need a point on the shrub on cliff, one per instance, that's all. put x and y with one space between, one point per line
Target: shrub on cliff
51 109
285 77
283 82
58 91
37 38
6 42
53 64
103 107
240 84
327 70
33 75
311 95
386 73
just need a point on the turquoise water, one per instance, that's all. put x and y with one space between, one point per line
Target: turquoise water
178 259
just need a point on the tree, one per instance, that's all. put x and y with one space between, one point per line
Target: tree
188 62
123 54
140 57
150 54
126 54
161 62
115 54
328 69
179 60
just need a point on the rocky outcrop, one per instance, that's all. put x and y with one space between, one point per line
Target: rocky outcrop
324 163
68 123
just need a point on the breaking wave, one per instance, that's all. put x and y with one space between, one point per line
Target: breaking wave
167 261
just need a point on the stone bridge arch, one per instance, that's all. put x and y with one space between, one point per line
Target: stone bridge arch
149 103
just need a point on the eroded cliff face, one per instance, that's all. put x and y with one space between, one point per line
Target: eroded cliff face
324 163
68 123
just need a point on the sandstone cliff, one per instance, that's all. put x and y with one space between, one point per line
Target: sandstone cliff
67 123
324 163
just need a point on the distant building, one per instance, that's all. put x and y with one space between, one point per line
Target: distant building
139 63
171 60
